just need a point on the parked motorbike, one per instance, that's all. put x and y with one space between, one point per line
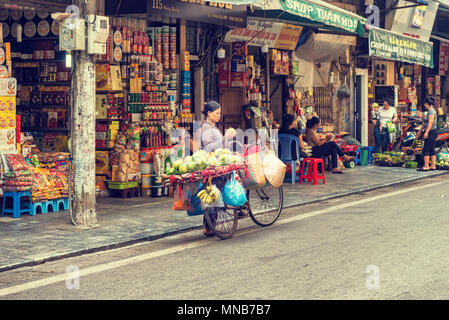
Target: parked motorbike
409 134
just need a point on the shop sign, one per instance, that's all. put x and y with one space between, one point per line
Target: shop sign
8 87
273 34
444 59
328 16
416 22
198 10
384 44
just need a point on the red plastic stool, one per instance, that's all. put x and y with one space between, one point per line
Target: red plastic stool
312 172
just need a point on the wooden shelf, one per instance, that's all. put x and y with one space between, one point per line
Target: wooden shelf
57 83
41 106
17 60
47 129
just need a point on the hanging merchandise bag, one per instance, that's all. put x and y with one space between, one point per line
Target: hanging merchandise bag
256 177
180 202
274 169
194 204
233 193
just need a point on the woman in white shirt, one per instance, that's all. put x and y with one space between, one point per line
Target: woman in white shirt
386 113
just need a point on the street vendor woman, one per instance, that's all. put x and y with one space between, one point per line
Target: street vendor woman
324 146
211 137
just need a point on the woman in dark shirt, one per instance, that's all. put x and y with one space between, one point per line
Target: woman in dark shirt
288 127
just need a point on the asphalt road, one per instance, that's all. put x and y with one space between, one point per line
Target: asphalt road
386 244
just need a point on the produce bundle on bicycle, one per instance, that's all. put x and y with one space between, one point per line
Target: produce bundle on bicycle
215 187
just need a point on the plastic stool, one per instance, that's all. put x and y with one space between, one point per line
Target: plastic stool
370 153
50 204
57 204
18 206
312 170
358 157
40 205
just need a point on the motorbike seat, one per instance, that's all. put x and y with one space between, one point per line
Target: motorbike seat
443 130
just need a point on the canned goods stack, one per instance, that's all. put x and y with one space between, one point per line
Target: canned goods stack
166 47
185 93
158 44
173 64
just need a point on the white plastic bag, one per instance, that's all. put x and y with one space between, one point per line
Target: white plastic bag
274 169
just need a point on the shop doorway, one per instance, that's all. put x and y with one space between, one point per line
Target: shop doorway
361 109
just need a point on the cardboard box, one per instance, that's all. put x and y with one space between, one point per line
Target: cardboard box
238 79
239 49
101 162
116 78
238 64
185 61
101 106
103 79
224 74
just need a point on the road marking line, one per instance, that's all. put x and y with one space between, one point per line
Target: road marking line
99 268
163 252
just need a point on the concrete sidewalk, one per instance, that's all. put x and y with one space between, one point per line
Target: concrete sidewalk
31 240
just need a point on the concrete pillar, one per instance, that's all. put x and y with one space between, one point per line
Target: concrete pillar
83 138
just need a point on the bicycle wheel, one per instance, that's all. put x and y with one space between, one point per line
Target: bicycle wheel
265 205
222 221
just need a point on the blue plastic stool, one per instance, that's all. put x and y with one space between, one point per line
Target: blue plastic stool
18 206
50 206
358 157
57 204
42 206
285 141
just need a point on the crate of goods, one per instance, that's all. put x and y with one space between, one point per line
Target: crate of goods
122 185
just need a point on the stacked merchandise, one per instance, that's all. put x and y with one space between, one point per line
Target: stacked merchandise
18 175
51 176
185 82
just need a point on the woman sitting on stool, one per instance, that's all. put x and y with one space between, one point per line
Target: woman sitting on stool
288 127
324 147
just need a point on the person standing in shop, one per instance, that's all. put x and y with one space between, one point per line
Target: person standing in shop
386 113
429 136
375 119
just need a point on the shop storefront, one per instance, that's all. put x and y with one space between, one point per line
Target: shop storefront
35 106
404 71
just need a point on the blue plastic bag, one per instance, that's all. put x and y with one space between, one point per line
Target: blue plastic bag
234 194
195 203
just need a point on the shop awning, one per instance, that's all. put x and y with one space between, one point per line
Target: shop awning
311 13
388 45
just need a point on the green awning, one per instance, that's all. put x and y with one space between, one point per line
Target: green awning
311 13
388 45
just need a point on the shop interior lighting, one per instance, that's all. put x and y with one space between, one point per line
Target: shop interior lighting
265 48
68 59
221 53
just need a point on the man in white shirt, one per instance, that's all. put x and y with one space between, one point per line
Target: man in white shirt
386 113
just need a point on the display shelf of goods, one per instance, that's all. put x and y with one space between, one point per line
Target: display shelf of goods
390 159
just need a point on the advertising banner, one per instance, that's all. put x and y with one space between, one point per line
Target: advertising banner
384 44
209 12
273 34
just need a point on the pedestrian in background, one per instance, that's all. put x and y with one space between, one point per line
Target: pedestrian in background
430 134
